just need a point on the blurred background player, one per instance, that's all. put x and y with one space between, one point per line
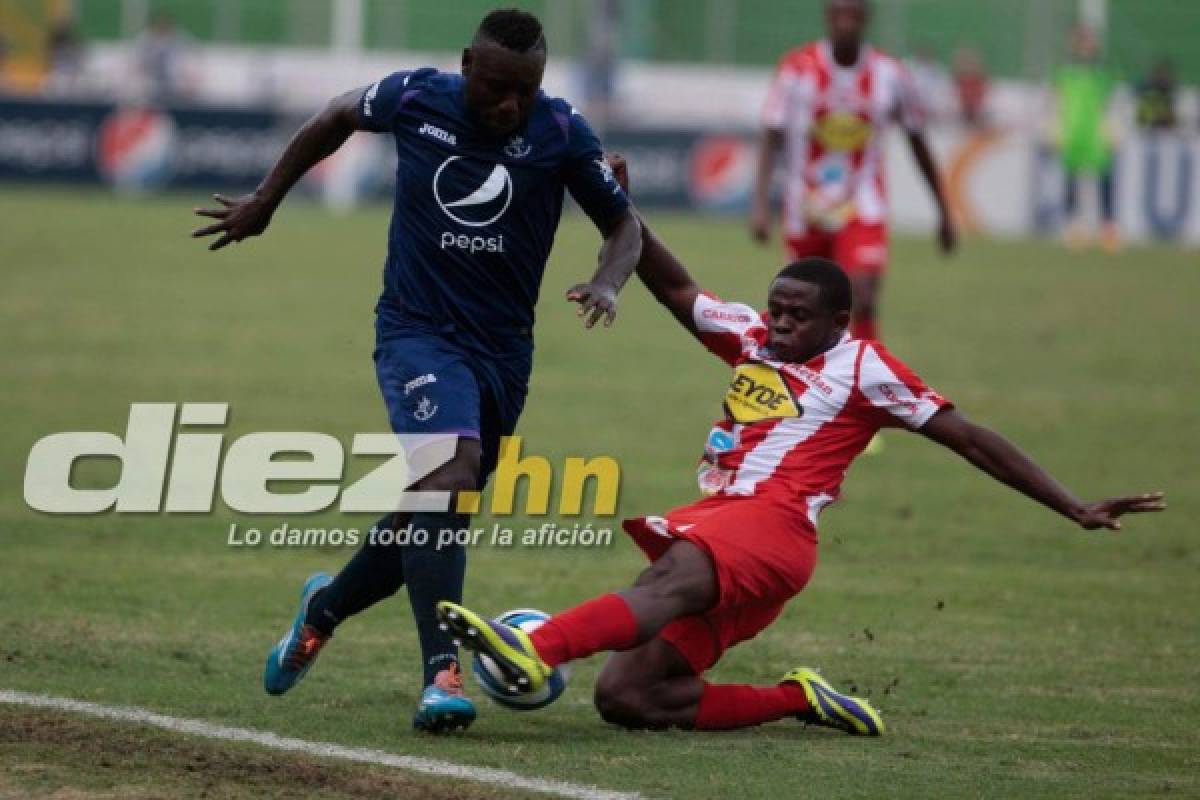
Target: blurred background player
484 159
600 65
971 86
1083 89
826 110
1156 98
935 91
161 55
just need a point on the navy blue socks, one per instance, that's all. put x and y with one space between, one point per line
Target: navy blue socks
435 573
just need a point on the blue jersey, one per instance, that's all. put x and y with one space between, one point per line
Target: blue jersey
474 217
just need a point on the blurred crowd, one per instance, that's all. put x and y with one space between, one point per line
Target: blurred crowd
1076 114
1085 120
156 72
956 88
958 91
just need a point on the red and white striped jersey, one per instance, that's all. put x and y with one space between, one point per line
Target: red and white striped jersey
791 430
833 118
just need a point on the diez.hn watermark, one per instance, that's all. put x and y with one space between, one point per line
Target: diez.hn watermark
171 460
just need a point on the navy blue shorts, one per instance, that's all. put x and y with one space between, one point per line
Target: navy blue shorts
432 384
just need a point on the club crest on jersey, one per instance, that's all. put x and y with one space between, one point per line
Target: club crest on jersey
472 192
759 392
517 147
426 408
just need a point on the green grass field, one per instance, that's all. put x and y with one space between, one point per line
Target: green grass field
1012 655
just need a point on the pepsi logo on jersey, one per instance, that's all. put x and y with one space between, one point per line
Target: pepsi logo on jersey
472 192
475 194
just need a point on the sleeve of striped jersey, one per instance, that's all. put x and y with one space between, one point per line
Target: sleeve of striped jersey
781 94
889 385
726 329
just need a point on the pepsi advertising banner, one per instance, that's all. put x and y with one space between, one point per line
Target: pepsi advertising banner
137 147
1004 182
141 148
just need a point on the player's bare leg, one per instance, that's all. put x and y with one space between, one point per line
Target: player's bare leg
680 583
653 687
650 686
647 683
1110 235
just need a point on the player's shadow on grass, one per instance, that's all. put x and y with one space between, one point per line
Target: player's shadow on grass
556 730
579 724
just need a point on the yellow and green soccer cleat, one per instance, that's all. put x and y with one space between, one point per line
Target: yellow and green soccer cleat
833 709
509 647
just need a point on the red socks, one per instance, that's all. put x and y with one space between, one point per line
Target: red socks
726 706
864 328
605 623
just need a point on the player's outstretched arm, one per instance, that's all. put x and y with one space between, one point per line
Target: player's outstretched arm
947 237
998 457
250 214
667 279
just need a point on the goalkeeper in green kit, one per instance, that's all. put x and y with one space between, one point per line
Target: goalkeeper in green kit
1083 89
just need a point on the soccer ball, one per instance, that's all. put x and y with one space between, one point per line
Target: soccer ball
492 681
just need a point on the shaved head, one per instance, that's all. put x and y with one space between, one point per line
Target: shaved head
512 29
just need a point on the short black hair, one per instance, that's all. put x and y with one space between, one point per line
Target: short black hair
513 29
836 294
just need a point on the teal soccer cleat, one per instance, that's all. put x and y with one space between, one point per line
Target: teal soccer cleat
289 660
443 707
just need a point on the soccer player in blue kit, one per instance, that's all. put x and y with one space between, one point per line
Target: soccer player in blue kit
484 158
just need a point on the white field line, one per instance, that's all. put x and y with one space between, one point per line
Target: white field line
425 766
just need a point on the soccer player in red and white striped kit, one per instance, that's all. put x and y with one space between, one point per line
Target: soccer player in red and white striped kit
826 113
804 400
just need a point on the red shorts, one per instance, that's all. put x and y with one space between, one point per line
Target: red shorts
763 554
859 247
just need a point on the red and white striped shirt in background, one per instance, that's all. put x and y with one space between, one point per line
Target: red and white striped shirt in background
832 118
791 430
